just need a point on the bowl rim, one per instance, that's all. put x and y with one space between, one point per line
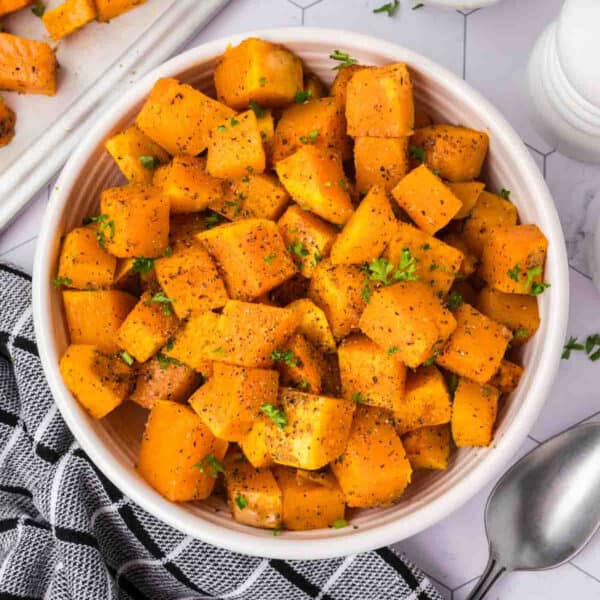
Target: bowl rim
340 542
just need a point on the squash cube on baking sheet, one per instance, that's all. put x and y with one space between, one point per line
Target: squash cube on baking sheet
474 413
373 469
513 259
457 153
230 401
260 71
8 120
179 456
428 447
476 347
68 17
468 193
426 200
254 443
313 324
367 232
379 102
380 161
180 118
314 178
9 6
309 503
409 316
315 431
300 364
507 377
371 374
337 290
99 382
109 9
252 256
426 401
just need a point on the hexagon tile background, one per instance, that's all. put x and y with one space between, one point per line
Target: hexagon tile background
489 48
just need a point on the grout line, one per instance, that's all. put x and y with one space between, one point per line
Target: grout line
436 581
580 272
584 572
534 440
18 246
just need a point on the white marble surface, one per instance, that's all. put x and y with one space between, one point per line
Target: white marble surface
489 47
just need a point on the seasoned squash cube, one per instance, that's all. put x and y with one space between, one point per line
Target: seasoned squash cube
98 381
180 118
83 263
476 347
367 232
68 17
314 177
266 126
300 364
260 71
179 456
370 374
339 87
380 161
507 377
513 259
373 470
379 102
313 324
109 9
409 316
254 443
183 228
8 120
9 6
474 413
139 215
428 447
468 193
426 200
315 431
470 262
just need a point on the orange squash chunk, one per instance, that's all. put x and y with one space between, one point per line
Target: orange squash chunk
380 161
507 377
302 367
339 87
428 447
8 120
468 193
474 413
109 9
254 443
9 6
313 324
68 17
470 262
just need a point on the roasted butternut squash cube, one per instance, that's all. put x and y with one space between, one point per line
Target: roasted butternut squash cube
183 228
83 263
313 324
428 447
254 443
469 262
468 193
266 126
380 161
457 153
371 374
231 399
27 66
373 470
314 87
179 456
474 413
507 377
339 87
9 6
367 232
8 120
109 9
180 118
426 401
260 71
314 178
379 102
98 381
139 215
309 504
426 200
476 347
409 316
68 17
300 364
315 432
338 291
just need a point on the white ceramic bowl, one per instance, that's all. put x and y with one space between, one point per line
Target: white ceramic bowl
112 443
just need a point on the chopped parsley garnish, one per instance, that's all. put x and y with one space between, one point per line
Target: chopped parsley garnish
162 298
380 269
233 121
303 96
164 361
426 247
417 153
62 281
298 249
344 59
257 109
317 258
390 8
392 350
103 224
514 273
277 531
126 358
262 81
343 183
358 398
270 258
170 343
311 138
285 356
570 346
339 523
486 390
275 414
241 501
431 360
521 333
38 9
235 204
213 220
221 128
417 6
150 162
535 288
143 265
168 251
591 342
366 291
212 464
219 350
304 385
591 347
454 300
504 193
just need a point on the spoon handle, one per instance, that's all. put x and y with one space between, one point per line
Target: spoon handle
493 571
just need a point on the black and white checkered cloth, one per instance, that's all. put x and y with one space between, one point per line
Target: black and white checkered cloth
67 533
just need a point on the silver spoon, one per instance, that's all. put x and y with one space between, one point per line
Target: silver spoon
545 508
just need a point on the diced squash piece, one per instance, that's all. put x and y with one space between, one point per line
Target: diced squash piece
474 413
140 217
380 161
313 324
9 6
426 200
27 66
287 292
476 347
131 275
8 120
507 377
337 290
309 504
371 374
513 259
260 71
183 228
428 447
469 262
373 470
235 148
457 153
176 452
316 429
146 328
314 177
301 368
314 87
367 232
83 263
253 495
109 9
379 102
180 118
231 399
468 193
437 263
266 126
252 256
339 87
409 316
94 317
68 17
426 401
254 443
98 381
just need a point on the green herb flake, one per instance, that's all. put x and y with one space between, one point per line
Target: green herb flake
143 265
275 414
221 128
150 162
277 531
304 385
212 464
285 356
162 298
426 247
298 249
59 281
417 153
390 8
164 361
219 350
241 501
344 183
452 383
515 273
366 291
591 342
504 193
521 333
454 301
233 121
392 350
358 398
262 81
302 96
38 9
168 251
344 59
417 6
126 358
257 109
270 258
212 220
313 135
339 524
595 356
486 390
571 346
